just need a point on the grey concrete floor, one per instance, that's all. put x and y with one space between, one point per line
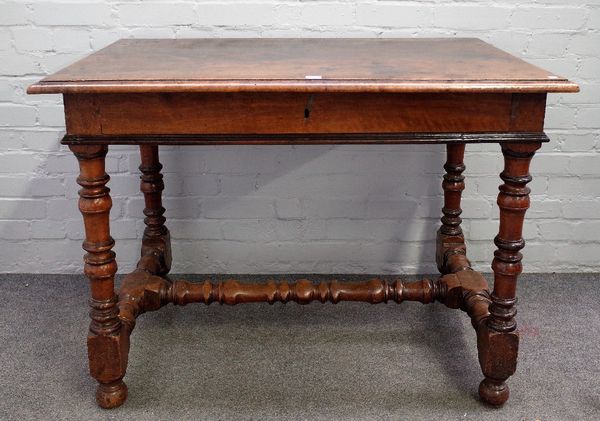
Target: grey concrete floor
351 361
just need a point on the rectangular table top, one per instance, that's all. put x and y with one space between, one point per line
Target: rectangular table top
302 65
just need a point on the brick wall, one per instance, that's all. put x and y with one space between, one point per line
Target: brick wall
362 209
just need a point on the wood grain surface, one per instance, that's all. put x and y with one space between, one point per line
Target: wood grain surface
302 65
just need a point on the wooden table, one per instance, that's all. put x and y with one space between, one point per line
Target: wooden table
301 91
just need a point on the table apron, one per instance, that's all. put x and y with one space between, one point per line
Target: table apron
302 114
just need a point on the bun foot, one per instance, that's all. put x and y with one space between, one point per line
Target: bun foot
111 395
493 392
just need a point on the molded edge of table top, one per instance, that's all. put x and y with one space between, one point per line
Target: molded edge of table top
110 69
286 85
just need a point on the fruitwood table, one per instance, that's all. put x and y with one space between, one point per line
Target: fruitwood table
301 91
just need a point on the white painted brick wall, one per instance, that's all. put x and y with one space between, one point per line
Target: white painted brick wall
362 209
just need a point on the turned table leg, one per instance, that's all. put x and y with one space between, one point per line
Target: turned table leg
498 339
451 251
156 243
107 341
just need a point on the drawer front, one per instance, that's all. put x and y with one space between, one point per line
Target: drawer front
295 113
